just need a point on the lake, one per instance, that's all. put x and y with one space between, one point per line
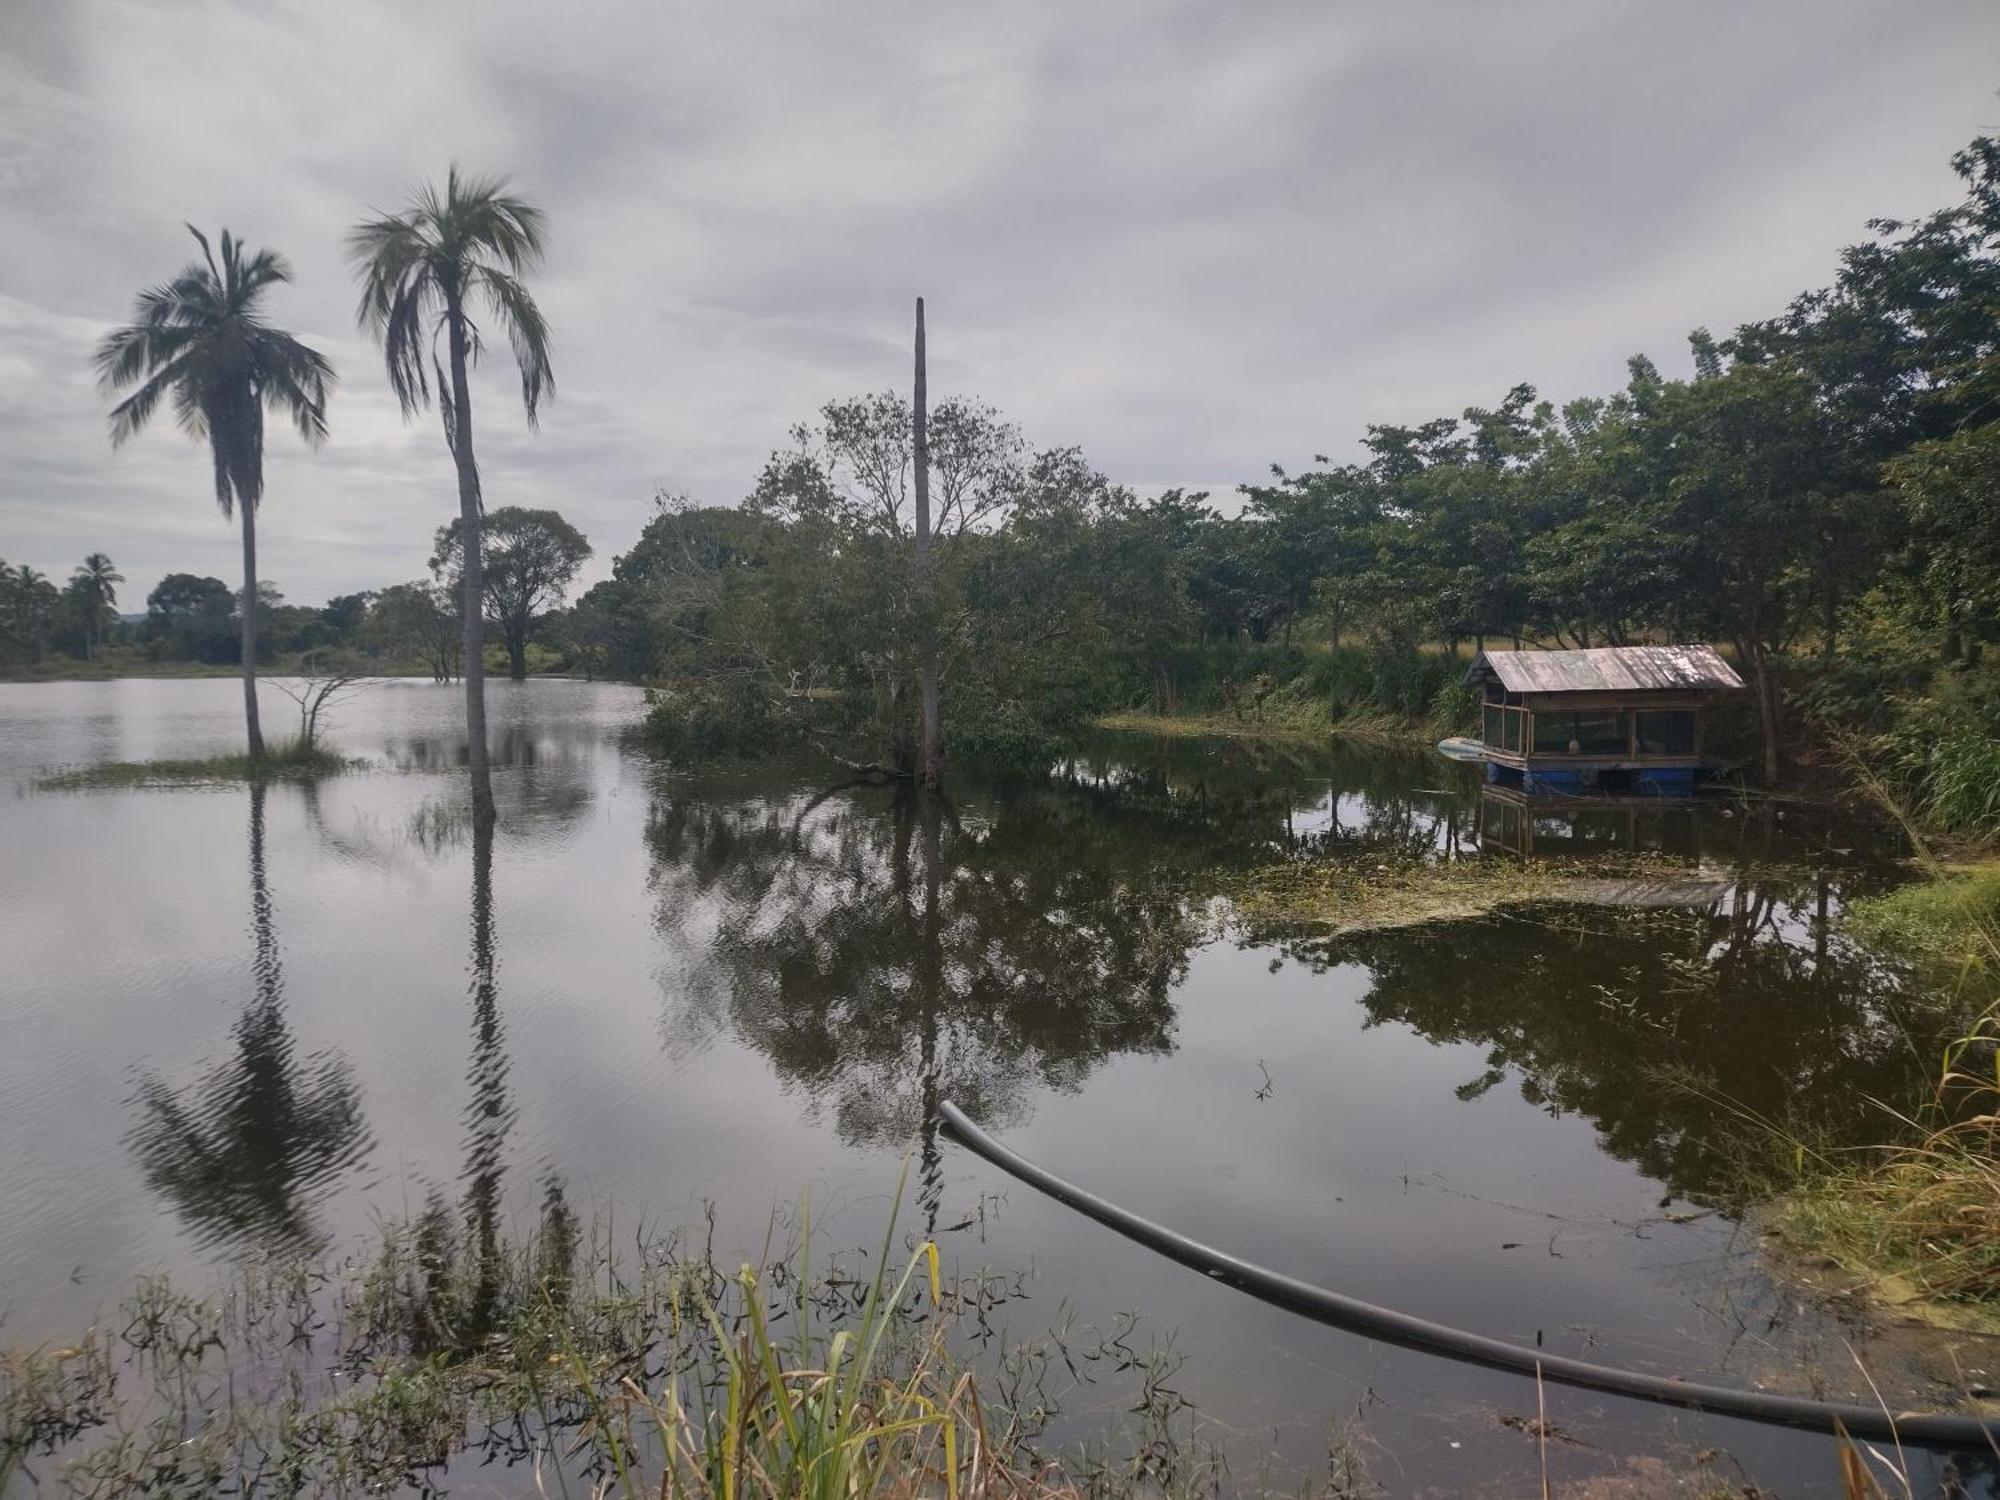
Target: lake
243 1021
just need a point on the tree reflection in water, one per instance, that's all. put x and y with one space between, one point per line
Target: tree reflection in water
489 1113
886 950
243 1153
1674 1031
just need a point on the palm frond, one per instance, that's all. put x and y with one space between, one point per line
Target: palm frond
129 417
295 382
527 331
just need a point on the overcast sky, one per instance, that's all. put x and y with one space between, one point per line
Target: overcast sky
1195 239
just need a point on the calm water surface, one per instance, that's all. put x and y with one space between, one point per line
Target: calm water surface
236 1021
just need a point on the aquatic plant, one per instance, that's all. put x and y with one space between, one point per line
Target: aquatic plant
645 1370
289 762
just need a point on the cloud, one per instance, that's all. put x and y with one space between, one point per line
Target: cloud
1194 239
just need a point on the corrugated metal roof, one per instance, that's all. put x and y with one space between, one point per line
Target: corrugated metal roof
1607 669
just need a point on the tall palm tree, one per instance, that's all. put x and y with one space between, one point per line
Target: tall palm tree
96 581
202 341
422 273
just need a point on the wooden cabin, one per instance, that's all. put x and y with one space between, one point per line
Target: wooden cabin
1614 718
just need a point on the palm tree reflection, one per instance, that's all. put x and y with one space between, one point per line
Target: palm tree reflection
245 1152
489 1115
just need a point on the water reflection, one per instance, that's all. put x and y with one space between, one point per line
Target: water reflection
1675 1032
489 1113
886 950
243 1153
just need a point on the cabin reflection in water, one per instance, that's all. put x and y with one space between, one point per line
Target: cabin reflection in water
1512 822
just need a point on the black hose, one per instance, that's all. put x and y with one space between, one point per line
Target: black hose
1917 1429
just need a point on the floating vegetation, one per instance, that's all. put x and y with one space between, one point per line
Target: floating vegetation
287 763
1375 890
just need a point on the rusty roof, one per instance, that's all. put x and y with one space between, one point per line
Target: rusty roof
1607 669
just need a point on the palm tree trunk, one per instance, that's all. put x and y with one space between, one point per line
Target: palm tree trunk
928 770
473 573
249 613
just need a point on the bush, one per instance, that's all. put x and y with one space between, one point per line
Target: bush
696 719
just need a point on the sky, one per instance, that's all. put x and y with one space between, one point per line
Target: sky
1194 239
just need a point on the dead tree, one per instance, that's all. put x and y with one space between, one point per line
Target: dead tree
319 684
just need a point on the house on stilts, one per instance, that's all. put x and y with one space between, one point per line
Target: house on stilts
1613 719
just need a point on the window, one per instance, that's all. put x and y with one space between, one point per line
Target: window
1501 727
1668 731
1562 733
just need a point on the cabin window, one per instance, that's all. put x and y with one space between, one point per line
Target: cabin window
1500 727
1666 731
1558 733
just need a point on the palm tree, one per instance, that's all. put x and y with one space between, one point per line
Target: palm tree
33 604
422 271
96 582
201 339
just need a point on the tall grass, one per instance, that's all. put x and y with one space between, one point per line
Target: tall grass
1919 1215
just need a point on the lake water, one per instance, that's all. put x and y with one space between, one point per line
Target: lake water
235 1021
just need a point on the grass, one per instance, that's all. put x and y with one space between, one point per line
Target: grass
642 1371
289 762
1917 1218
1295 727
1946 921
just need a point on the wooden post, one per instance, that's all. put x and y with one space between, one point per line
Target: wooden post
927 765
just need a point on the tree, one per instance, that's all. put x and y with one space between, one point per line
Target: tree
842 497
423 272
95 584
418 620
532 556
202 341
28 607
190 617
322 680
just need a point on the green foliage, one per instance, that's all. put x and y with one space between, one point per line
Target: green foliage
531 558
1948 921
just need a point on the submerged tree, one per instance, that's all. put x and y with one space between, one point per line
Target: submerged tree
201 342
532 556
424 272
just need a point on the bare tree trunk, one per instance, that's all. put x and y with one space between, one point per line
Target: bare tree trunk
928 768
472 585
249 613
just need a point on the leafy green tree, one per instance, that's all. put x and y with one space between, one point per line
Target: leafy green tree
423 273
532 557
417 621
200 341
192 618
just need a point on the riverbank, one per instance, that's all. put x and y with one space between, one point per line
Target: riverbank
1382 729
1914 1221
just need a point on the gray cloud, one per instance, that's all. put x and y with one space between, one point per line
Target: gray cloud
1193 238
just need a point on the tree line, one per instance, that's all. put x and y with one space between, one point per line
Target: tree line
1818 495
532 556
907 581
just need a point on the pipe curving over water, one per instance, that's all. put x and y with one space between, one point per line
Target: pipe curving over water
1915 1429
